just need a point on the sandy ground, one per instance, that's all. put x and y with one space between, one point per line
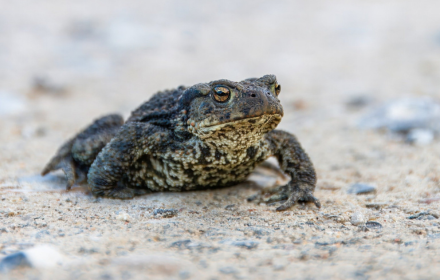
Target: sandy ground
63 64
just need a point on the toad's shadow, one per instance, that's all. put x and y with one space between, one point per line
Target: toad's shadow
266 175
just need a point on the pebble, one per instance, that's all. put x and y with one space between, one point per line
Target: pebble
261 231
376 205
373 225
253 197
123 217
14 261
231 207
228 270
357 218
165 213
181 244
83 250
42 256
360 188
358 101
248 244
424 216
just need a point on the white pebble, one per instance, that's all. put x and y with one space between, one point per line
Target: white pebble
357 218
123 217
44 256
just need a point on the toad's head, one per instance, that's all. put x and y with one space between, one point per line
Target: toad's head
230 114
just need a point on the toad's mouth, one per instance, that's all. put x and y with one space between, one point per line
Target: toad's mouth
261 120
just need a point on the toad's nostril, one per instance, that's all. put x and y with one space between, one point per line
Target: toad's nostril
253 95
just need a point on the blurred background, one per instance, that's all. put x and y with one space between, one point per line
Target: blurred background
63 63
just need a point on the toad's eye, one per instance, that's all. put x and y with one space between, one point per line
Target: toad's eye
221 94
277 89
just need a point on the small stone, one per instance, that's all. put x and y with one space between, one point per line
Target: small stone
420 137
358 101
357 218
181 244
43 256
261 231
373 225
424 216
376 205
342 218
360 188
231 207
88 251
253 197
228 270
123 217
248 244
14 261
10 213
165 213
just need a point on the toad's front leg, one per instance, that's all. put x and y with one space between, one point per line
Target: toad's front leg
295 162
106 173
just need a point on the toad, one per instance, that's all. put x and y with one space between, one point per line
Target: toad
205 136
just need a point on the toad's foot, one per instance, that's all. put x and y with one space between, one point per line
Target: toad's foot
289 194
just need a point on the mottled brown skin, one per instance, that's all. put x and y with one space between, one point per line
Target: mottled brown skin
205 136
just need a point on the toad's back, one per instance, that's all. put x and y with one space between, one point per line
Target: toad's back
162 101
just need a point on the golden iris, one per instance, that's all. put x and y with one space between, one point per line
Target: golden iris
221 94
277 88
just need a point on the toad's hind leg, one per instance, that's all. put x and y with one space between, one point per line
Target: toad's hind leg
76 156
